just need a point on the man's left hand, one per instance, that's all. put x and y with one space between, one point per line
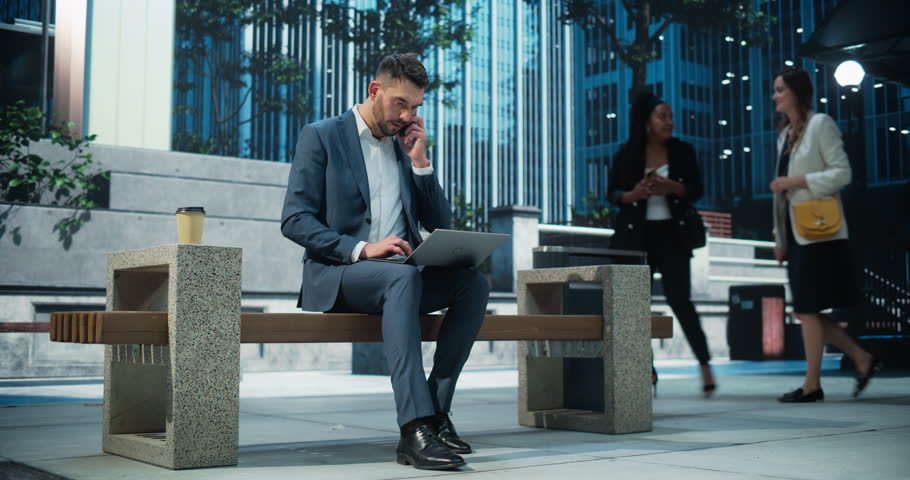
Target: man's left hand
414 142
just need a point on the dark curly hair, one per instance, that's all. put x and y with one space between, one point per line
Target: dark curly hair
631 156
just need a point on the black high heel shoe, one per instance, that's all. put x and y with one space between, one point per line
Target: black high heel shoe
708 390
862 381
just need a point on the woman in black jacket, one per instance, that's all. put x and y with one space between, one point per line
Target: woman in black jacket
654 180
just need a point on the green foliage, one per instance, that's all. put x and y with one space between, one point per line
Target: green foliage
269 81
208 32
28 178
466 216
396 26
594 213
745 17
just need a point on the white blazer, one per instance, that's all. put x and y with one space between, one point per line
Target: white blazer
821 158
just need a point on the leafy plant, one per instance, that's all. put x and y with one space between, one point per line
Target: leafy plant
28 178
465 216
594 213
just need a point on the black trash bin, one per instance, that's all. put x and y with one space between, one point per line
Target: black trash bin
582 377
756 329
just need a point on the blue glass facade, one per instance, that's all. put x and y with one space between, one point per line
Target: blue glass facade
541 107
720 90
503 136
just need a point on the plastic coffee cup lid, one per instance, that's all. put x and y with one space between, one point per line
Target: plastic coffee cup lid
191 210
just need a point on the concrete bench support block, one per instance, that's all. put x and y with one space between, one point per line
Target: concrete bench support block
625 351
176 405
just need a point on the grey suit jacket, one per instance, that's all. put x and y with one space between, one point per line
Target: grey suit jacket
327 207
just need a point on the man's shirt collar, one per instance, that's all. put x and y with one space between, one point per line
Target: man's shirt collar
363 129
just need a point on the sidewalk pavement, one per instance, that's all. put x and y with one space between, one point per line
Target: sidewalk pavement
327 425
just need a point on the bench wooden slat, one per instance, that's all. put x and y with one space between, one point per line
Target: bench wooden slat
90 327
83 326
661 327
67 326
342 327
24 327
150 328
144 328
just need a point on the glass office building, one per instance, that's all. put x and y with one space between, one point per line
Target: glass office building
541 107
503 136
720 90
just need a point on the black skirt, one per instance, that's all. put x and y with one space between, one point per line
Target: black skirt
821 274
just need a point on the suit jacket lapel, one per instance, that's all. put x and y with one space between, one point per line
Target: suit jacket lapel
351 146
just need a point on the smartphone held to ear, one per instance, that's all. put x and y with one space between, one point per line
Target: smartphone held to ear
402 132
403 128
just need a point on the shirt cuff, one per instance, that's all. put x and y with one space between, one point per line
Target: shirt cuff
422 171
355 255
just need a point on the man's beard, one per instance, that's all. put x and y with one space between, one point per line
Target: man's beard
384 126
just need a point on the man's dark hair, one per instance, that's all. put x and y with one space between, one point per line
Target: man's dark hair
405 65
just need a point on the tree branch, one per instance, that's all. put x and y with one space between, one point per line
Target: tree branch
253 117
622 50
246 96
660 30
628 6
212 88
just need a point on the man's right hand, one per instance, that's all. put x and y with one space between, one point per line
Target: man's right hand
386 247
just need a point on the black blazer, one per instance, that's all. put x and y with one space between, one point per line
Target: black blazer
628 169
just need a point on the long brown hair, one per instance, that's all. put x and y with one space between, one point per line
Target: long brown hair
798 81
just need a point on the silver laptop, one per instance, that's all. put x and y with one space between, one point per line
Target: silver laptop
451 248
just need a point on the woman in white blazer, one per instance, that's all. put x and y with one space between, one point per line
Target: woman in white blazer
812 165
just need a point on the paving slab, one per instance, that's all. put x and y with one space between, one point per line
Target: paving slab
741 433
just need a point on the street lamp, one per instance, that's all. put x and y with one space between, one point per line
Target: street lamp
849 74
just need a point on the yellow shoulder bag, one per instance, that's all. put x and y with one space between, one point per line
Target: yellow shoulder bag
817 219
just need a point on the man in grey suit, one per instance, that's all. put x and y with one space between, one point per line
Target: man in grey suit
360 186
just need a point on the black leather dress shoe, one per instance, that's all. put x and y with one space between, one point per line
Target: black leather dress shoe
798 396
420 447
449 437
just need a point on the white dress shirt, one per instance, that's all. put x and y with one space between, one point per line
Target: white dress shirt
384 178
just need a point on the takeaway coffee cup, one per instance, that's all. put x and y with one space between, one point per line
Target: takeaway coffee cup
189 224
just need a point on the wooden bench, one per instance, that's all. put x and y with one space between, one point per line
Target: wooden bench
150 328
173 328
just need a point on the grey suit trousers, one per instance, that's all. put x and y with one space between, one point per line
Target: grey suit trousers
402 293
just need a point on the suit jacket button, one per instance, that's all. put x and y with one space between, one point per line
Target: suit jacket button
631 227
634 204
369 221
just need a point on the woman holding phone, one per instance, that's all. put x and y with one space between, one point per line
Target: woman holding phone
812 166
654 180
